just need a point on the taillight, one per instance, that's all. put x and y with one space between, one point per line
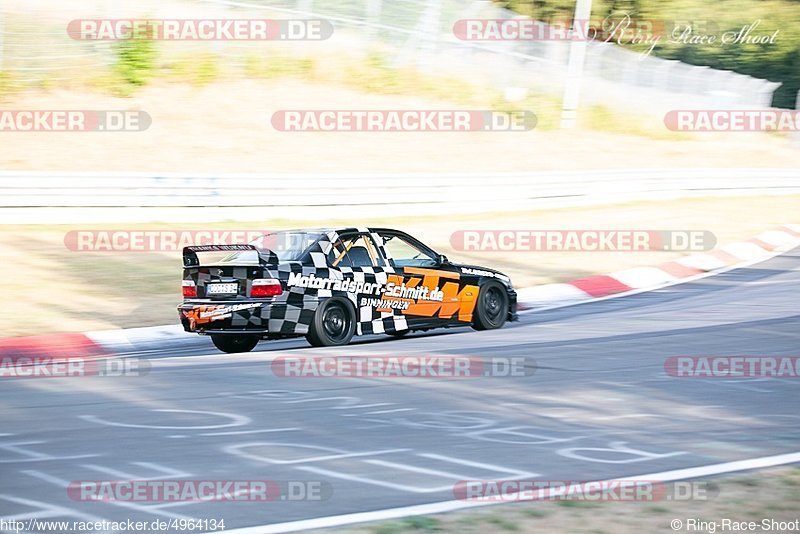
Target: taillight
189 289
266 287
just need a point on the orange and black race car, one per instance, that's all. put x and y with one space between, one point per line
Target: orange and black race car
329 284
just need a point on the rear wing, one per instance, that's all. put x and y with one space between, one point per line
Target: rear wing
232 255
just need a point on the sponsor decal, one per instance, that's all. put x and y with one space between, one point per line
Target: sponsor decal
390 289
206 314
218 248
384 304
481 272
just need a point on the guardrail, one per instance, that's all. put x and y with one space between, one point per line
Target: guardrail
31 197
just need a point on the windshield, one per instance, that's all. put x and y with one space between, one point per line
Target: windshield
289 245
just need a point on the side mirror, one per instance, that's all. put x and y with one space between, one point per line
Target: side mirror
442 259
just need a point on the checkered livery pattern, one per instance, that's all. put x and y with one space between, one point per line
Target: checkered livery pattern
292 312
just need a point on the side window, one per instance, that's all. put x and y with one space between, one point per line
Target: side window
355 251
406 254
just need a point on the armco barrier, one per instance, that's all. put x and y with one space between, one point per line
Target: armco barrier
31 197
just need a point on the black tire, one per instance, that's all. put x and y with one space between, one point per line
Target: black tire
333 324
232 343
491 310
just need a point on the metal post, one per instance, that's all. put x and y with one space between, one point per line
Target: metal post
2 33
374 8
797 107
306 6
429 30
577 56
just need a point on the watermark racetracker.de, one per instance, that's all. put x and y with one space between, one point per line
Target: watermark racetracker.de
409 120
727 367
435 366
186 490
23 366
620 240
200 29
623 490
165 240
733 120
75 120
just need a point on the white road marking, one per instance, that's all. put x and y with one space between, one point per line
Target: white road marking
450 506
615 447
374 405
34 456
374 482
379 412
164 472
152 509
479 465
236 450
516 436
46 510
236 420
423 470
239 432
626 416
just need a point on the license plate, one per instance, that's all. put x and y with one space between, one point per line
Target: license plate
222 289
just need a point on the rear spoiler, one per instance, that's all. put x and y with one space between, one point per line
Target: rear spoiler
262 257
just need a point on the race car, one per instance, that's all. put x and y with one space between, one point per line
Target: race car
329 284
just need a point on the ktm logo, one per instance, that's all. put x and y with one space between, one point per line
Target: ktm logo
456 299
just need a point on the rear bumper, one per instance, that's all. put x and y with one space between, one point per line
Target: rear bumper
243 316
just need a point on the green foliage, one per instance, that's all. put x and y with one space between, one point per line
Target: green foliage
135 60
778 61
275 66
410 524
568 503
502 523
5 83
545 10
424 524
199 69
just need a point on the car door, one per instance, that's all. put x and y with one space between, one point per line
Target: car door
434 289
361 262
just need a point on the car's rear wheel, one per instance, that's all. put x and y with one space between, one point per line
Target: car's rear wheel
235 342
491 310
333 324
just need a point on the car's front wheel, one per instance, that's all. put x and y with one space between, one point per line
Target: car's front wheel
235 342
333 324
491 310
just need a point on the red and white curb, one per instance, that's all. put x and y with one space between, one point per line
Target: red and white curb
107 343
639 279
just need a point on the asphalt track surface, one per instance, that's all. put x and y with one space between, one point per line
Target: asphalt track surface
595 403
